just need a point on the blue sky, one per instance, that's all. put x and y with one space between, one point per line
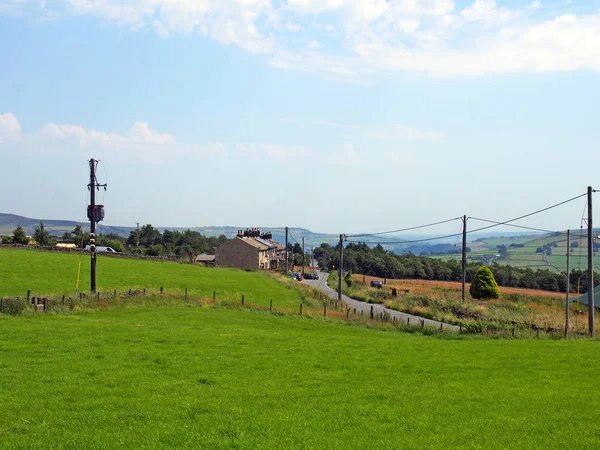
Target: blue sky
333 115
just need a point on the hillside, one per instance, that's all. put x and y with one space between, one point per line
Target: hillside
539 251
46 273
8 222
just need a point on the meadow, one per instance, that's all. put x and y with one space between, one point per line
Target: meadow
55 273
524 310
211 377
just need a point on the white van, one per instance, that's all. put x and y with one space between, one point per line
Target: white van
100 249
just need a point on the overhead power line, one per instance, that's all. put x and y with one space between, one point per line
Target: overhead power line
517 226
527 215
405 229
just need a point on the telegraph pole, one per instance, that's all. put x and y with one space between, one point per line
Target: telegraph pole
92 187
92 215
340 267
590 232
286 251
464 256
303 254
568 280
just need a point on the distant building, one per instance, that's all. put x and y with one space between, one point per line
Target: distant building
252 250
583 299
65 245
207 260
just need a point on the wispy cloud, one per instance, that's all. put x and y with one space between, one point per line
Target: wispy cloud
404 133
433 36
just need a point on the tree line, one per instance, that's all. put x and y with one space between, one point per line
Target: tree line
377 262
146 240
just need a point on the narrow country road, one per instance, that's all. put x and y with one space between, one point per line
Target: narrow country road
321 284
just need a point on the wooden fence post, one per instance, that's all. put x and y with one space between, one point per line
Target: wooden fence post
408 321
186 294
347 313
271 305
324 309
372 313
145 291
115 294
242 299
98 296
300 308
161 290
63 299
130 292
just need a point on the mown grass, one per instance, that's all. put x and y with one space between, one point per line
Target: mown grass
198 377
54 273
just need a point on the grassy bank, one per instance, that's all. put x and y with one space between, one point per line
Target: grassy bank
176 376
522 312
48 273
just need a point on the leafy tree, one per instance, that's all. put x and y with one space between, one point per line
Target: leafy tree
67 236
7 239
19 236
41 236
503 251
77 231
484 284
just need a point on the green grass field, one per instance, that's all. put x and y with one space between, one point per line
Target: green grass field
202 377
47 273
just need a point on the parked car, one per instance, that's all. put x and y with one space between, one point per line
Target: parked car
101 249
315 276
376 284
308 276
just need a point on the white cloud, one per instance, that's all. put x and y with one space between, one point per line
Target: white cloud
227 21
292 27
404 133
434 36
139 134
10 129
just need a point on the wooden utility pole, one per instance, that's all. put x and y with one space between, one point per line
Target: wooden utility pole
92 188
303 255
340 267
568 280
94 218
590 232
287 266
464 257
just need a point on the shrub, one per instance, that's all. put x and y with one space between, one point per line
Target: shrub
14 306
484 285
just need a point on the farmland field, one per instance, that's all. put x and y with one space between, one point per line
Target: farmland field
523 251
47 273
520 309
200 377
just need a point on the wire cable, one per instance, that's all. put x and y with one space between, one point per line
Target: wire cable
517 226
527 215
405 229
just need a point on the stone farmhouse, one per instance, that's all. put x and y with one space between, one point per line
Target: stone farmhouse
252 250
